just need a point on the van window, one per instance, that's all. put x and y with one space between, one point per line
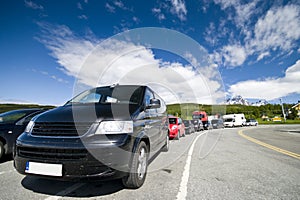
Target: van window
148 95
163 106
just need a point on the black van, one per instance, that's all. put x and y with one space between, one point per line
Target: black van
107 132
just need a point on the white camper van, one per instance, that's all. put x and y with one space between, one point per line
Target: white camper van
233 120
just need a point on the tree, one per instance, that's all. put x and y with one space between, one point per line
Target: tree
293 114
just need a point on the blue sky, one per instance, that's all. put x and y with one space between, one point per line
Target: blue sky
253 46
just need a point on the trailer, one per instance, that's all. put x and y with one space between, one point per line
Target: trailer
234 120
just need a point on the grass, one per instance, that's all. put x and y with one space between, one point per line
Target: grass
288 121
8 107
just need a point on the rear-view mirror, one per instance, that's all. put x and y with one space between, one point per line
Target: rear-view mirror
154 103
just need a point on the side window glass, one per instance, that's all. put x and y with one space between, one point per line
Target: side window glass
148 95
163 107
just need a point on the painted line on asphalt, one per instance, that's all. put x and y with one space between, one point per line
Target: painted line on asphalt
66 191
182 193
283 151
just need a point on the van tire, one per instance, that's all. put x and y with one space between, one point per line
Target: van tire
137 175
167 145
1 150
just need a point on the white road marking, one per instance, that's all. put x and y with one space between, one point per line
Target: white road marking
181 195
66 191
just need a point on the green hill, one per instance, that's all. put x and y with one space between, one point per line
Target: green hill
185 110
8 107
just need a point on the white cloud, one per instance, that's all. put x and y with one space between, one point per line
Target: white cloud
227 3
262 55
50 76
243 11
179 8
116 4
175 7
79 6
69 50
83 17
110 8
119 4
258 32
278 29
234 55
31 4
158 13
270 88
114 61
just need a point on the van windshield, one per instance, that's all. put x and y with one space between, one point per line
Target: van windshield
103 95
200 116
228 120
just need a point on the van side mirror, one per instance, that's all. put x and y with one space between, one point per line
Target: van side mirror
154 103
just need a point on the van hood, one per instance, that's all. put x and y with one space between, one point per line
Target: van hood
89 113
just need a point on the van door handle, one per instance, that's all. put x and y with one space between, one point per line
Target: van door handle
9 132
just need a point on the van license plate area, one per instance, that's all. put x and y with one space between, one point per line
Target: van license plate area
43 168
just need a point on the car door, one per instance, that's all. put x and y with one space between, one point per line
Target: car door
162 122
151 126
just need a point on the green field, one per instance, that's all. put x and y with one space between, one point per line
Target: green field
288 121
8 107
185 110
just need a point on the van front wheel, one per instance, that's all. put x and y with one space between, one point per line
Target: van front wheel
139 165
1 150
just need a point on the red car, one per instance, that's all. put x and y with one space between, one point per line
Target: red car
176 127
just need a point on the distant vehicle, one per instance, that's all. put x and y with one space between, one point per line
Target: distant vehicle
202 116
176 127
189 126
234 120
209 125
251 122
217 123
198 125
12 124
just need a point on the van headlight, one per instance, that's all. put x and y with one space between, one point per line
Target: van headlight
115 127
29 127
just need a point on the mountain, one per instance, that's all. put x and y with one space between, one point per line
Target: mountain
260 103
237 100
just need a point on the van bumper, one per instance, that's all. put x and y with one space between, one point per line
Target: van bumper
78 160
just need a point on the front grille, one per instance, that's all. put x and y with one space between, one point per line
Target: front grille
69 129
46 153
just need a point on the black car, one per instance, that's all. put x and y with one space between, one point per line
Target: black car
107 132
189 126
217 123
198 125
12 124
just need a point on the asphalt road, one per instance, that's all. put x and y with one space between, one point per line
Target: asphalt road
215 164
